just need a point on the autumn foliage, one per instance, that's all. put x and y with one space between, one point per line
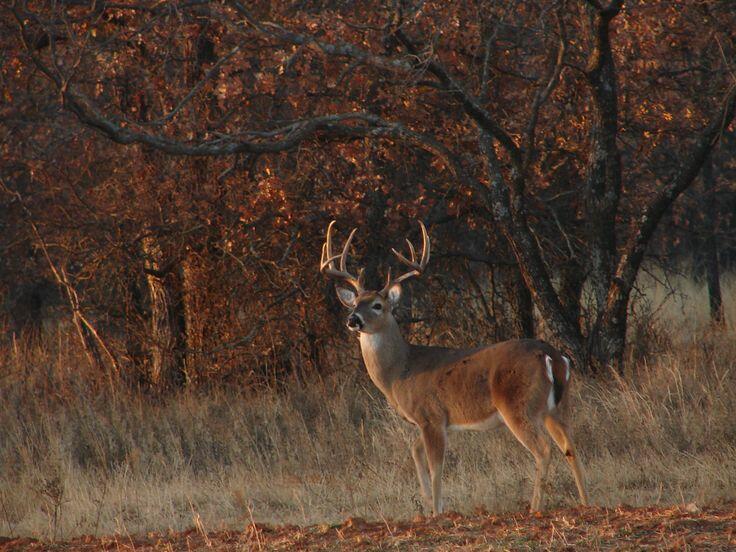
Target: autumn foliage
168 170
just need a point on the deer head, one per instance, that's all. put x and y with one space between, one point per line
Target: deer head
370 311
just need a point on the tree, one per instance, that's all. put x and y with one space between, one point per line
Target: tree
562 121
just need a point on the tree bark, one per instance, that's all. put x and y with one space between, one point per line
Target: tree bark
712 266
162 364
603 182
523 306
192 333
572 279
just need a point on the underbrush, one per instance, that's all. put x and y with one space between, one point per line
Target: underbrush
77 457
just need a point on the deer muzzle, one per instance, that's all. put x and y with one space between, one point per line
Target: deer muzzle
355 322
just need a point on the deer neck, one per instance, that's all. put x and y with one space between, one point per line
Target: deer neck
385 354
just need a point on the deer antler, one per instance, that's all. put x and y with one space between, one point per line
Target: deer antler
327 262
416 268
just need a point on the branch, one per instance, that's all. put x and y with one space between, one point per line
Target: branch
631 259
270 141
470 104
486 70
196 88
82 323
337 49
290 135
383 128
252 334
543 94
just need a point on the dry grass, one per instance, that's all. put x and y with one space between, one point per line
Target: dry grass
75 459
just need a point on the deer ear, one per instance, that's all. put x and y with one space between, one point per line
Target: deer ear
346 296
394 294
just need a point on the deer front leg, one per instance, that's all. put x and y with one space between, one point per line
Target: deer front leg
435 439
420 461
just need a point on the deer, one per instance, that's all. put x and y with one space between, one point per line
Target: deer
520 384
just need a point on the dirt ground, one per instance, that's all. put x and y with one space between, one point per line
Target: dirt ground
622 528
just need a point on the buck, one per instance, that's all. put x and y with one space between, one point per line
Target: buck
519 383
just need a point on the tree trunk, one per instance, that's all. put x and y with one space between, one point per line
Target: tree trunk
523 306
192 332
712 266
603 182
162 361
572 278
607 341
610 328
135 328
511 219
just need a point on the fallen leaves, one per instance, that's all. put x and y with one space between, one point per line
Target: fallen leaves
623 527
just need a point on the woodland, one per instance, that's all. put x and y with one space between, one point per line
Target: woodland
169 169
171 357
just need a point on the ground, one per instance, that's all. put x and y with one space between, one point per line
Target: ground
622 528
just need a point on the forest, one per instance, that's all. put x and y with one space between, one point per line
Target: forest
168 171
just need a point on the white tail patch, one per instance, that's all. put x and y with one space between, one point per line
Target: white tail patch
567 367
551 378
548 362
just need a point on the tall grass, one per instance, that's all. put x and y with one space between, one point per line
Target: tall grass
77 457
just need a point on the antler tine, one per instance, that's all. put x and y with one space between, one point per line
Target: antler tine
344 254
404 259
328 238
406 276
328 258
416 268
425 246
411 250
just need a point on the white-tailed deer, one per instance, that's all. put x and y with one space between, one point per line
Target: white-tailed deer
519 383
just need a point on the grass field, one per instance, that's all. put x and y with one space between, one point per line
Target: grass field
79 460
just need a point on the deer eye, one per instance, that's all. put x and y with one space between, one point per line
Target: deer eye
377 306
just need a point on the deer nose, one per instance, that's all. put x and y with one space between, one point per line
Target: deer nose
355 322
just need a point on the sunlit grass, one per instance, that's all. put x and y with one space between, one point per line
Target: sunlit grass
77 458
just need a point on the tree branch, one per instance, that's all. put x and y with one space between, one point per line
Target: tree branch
196 88
513 223
646 224
470 104
339 49
543 94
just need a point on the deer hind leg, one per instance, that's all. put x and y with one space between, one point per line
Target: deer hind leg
533 437
561 437
420 461
435 441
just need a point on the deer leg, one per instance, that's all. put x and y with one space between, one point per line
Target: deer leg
420 461
434 439
561 437
535 440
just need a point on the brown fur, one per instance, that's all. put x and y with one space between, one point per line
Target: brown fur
437 388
